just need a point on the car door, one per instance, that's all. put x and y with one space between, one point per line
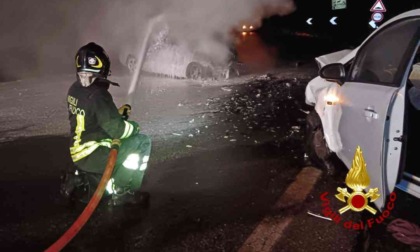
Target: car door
372 103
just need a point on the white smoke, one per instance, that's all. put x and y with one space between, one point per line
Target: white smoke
41 37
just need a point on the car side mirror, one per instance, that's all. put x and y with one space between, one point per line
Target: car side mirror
334 72
415 76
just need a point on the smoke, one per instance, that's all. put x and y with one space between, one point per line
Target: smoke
41 37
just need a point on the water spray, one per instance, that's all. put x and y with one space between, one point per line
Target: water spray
141 55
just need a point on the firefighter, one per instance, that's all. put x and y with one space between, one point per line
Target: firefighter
94 122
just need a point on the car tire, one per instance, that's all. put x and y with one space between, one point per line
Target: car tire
195 71
316 147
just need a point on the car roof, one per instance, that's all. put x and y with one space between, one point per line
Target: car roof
408 14
352 54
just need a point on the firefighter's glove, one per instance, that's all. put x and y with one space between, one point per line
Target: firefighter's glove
136 127
125 111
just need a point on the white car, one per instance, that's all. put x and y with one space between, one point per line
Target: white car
369 97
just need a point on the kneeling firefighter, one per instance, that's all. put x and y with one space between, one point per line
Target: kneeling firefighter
95 121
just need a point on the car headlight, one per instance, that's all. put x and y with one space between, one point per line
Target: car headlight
331 98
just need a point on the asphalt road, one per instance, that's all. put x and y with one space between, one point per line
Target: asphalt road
224 153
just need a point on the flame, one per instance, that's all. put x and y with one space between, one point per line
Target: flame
358 177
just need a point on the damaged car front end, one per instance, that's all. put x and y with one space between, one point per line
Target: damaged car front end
362 100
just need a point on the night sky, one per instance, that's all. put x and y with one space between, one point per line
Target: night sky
352 23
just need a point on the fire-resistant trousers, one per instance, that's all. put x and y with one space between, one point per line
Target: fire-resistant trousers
123 177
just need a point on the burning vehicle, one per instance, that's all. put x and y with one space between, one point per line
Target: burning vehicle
370 97
168 58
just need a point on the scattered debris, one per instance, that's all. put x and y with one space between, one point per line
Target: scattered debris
226 89
233 140
190 135
296 128
265 77
304 111
176 134
207 112
192 120
319 216
188 146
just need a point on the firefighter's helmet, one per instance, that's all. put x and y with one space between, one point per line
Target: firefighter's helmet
93 58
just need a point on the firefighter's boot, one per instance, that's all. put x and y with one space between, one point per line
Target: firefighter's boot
130 198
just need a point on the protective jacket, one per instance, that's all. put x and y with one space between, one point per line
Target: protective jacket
94 119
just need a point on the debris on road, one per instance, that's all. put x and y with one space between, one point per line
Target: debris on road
176 134
207 112
319 216
304 111
226 89
296 128
265 77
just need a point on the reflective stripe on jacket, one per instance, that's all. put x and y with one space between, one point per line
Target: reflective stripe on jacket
94 119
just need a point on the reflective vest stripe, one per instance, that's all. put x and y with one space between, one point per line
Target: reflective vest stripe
127 130
87 148
130 131
80 127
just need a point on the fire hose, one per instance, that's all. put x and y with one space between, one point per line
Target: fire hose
93 203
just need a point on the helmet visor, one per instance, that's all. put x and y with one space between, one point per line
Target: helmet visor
86 78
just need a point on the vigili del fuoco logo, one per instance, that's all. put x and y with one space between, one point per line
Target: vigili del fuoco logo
358 180
357 200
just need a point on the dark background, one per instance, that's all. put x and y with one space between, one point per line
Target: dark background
351 29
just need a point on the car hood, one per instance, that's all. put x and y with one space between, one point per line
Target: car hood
331 57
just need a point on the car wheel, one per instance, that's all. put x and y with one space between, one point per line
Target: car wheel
316 146
195 71
131 63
